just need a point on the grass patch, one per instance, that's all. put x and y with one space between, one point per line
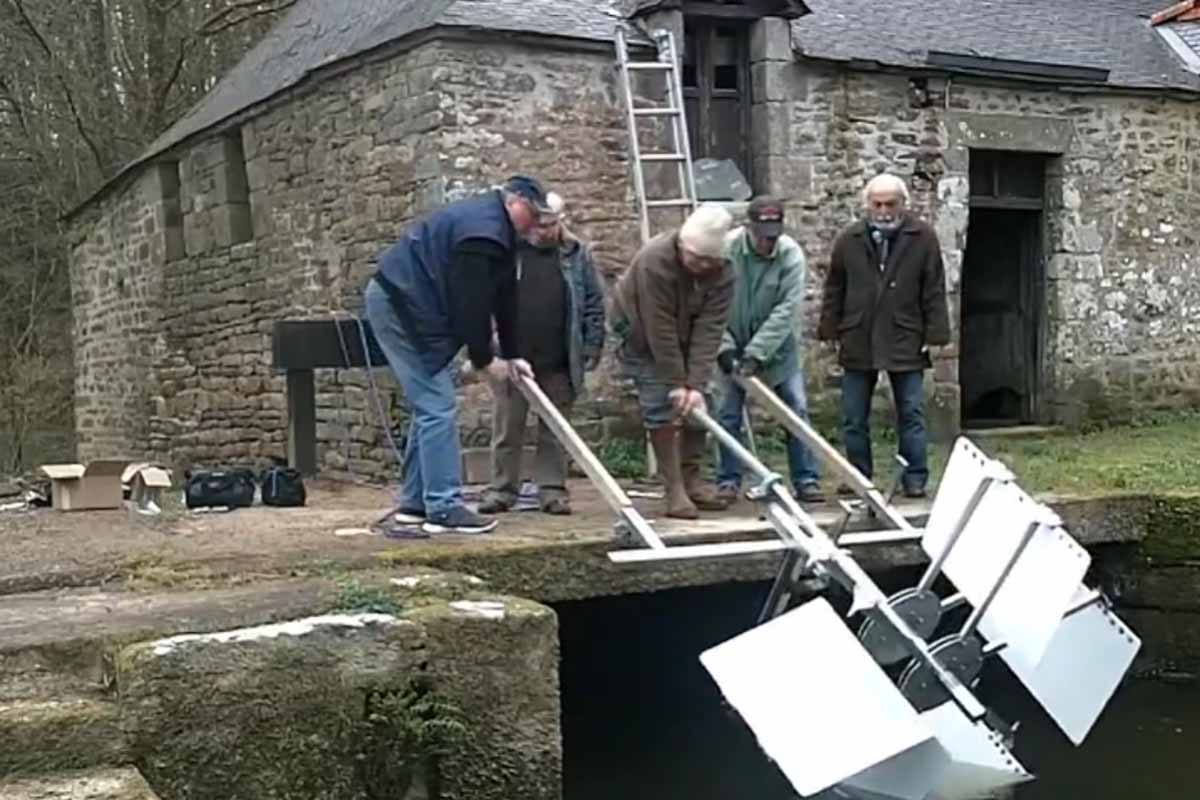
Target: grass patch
356 597
1158 453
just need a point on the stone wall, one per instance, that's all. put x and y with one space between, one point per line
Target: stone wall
177 286
1122 296
330 174
117 253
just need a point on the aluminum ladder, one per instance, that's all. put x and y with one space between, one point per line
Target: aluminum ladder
680 151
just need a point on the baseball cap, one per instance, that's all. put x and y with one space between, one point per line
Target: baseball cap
766 217
529 189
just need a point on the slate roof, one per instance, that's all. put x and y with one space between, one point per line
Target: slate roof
314 33
1107 34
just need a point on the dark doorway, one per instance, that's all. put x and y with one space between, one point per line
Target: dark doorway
1003 291
716 89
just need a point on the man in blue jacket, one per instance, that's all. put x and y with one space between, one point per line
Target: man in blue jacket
760 339
435 291
561 334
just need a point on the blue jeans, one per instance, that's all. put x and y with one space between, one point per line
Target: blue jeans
857 388
432 477
801 464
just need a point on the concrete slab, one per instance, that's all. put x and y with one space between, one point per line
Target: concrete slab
108 784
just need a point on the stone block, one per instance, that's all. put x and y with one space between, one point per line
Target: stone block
770 129
124 783
498 660
785 177
283 709
771 40
231 224
943 409
778 82
46 727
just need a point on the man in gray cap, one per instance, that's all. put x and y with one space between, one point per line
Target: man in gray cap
436 290
760 339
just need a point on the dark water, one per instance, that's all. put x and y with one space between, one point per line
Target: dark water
642 719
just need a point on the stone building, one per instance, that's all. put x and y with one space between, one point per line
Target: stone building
1049 142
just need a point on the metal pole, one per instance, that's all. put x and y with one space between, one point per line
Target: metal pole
803 431
610 490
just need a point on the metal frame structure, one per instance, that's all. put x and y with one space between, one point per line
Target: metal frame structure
1008 557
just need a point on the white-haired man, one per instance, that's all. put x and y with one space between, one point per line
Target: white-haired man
885 306
669 313
560 332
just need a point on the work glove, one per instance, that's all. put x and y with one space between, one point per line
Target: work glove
727 360
749 367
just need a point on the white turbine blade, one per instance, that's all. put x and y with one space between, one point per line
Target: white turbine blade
806 665
907 776
1029 607
980 764
967 467
1088 657
1034 595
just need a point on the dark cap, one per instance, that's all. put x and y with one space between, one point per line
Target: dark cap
766 217
530 189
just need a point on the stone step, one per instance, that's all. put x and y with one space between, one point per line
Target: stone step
73 631
51 722
123 783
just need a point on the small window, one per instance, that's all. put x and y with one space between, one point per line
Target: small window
237 189
172 206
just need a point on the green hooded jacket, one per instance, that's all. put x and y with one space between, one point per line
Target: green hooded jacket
767 303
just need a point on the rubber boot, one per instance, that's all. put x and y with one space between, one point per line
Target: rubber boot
691 456
666 451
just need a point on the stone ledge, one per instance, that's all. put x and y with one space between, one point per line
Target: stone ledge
108 784
59 733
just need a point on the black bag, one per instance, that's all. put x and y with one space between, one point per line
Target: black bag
282 486
232 488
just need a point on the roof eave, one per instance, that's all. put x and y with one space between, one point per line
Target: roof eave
389 49
870 65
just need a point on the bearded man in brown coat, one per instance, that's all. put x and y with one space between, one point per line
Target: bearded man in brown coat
885 306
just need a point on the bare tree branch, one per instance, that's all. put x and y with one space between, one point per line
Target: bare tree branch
241 11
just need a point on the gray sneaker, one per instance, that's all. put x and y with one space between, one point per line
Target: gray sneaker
459 519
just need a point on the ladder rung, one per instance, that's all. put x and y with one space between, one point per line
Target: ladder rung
648 65
663 157
683 201
656 112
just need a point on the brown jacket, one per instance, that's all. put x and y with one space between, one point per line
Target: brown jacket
670 317
883 320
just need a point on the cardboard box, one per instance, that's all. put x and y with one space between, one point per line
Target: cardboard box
75 487
147 484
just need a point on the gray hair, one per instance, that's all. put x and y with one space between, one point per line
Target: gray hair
885 182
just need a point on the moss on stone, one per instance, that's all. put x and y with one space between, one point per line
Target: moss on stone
271 716
62 732
1173 526
497 657
123 783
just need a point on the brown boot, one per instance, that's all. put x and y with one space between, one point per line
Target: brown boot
691 455
666 452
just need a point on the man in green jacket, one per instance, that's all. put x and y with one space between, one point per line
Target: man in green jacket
760 339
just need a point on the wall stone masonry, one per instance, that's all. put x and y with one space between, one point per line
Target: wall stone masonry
1123 281
173 348
332 175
